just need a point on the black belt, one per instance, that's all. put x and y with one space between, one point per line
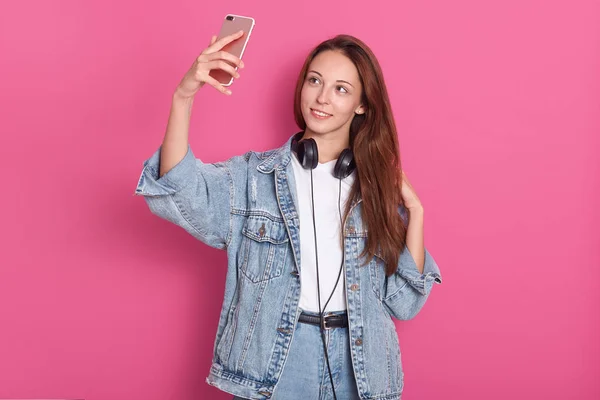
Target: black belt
329 320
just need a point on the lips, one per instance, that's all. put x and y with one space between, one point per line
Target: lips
319 114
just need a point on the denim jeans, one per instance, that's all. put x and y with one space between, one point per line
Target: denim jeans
305 375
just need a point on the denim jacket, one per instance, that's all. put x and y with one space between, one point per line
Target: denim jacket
247 206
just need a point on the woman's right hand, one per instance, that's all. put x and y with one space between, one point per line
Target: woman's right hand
211 58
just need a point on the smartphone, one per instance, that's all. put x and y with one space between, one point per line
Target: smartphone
232 24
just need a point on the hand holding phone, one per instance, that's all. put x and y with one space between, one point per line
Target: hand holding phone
215 65
232 24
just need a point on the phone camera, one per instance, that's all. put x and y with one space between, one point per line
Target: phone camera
229 18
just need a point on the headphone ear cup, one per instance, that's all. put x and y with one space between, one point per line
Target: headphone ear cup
307 153
344 165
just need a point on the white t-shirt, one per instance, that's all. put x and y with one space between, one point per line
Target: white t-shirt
328 225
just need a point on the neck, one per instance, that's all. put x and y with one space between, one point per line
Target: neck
330 144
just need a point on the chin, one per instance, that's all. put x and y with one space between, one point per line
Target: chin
321 128
316 128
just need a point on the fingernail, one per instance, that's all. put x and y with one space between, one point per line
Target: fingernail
241 64
228 92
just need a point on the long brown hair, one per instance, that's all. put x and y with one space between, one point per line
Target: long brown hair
374 142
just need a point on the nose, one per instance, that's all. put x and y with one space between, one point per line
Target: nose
322 98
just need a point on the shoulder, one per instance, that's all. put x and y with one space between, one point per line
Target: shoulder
263 161
267 159
252 159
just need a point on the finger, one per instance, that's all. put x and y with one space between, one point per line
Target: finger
223 65
219 44
217 85
224 55
213 40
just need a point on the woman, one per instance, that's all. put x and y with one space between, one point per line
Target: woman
307 313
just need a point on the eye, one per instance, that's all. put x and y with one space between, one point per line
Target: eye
313 80
342 89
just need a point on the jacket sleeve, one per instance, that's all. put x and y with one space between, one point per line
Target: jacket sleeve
194 195
407 289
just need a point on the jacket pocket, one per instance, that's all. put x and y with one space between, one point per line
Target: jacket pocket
264 248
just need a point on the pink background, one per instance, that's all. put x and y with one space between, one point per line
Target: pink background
497 107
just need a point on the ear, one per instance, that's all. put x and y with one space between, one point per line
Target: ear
360 110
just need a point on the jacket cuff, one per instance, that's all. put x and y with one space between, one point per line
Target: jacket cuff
172 182
421 282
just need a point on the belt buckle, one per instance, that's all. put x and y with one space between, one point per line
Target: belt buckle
324 323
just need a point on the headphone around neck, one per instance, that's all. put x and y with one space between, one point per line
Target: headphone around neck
308 155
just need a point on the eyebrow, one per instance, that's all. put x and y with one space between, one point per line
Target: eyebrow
339 80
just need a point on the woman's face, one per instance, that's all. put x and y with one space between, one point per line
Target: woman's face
331 94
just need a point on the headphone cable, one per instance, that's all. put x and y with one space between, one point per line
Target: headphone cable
317 264
318 286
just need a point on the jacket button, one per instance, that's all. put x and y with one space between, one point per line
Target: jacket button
358 342
354 287
261 231
351 230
